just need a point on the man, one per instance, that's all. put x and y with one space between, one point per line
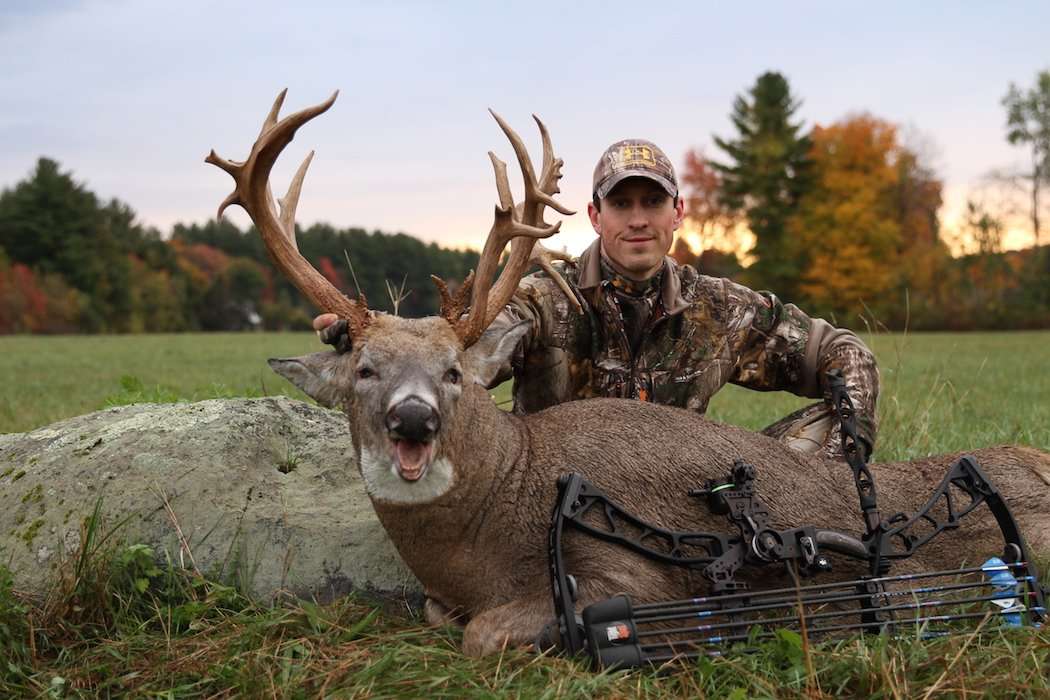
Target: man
655 331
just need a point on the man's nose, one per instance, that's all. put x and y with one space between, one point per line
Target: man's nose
637 218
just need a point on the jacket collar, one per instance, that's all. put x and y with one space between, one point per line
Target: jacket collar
589 264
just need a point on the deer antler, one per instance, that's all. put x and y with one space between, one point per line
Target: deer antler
545 259
277 224
521 226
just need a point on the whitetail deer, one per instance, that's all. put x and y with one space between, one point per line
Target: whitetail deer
465 490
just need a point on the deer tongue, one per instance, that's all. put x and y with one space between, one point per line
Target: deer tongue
412 458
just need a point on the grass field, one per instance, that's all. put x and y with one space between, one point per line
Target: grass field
940 392
117 625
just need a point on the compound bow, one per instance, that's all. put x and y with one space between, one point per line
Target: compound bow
618 633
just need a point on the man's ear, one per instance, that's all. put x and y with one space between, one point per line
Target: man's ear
594 215
494 350
323 376
679 211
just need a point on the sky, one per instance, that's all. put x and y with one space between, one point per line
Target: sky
130 96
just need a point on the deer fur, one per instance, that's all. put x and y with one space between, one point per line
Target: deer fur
473 528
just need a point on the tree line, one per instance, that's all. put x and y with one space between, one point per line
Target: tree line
844 216
72 263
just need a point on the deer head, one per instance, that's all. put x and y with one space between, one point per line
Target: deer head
403 381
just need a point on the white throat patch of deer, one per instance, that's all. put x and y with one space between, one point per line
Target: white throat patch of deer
385 481
465 490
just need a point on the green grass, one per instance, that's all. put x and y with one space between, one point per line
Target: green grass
47 378
940 392
118 625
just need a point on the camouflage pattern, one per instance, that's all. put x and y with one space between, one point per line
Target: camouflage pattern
703 333
633 158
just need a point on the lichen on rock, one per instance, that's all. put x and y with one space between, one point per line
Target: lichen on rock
269 485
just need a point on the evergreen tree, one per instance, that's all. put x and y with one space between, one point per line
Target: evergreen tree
54 225
767 173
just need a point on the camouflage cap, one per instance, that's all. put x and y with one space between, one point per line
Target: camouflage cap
633 158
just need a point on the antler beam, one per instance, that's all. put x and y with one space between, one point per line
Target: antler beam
276 224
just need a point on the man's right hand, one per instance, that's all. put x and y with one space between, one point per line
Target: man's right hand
332 330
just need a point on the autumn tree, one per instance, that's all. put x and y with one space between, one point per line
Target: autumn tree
710 216
872 207
160 300
1028 124
32 303
766 175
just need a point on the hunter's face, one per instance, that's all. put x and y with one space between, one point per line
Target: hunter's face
636 223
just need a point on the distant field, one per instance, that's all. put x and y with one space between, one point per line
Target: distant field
940 391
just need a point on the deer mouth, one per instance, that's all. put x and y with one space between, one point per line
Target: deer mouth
412 458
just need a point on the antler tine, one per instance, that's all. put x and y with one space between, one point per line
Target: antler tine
504 228
535 196
545 258
526 253
506 197
521 226
275 111
453 305
538 195
277 227
548 151
290 201
518 145
551 167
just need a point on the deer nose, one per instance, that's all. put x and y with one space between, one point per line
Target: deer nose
413 419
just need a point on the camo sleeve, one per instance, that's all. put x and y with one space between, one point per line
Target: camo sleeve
784 349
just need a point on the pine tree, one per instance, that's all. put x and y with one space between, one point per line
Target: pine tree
767 173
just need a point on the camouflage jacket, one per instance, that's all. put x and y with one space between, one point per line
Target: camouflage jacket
703 333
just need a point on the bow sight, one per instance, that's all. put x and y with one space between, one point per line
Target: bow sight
618 632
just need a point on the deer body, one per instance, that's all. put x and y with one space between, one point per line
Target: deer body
480 548
466 490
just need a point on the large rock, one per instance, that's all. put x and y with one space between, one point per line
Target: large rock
264 489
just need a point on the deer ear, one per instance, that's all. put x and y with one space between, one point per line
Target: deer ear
490 357
321 376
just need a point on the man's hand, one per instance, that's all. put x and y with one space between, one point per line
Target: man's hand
332 330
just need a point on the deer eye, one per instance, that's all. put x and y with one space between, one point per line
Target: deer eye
365 373
453 376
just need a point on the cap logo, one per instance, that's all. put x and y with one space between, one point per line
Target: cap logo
637 155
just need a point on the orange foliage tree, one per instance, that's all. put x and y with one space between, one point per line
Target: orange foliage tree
705 206
872 207
32 303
